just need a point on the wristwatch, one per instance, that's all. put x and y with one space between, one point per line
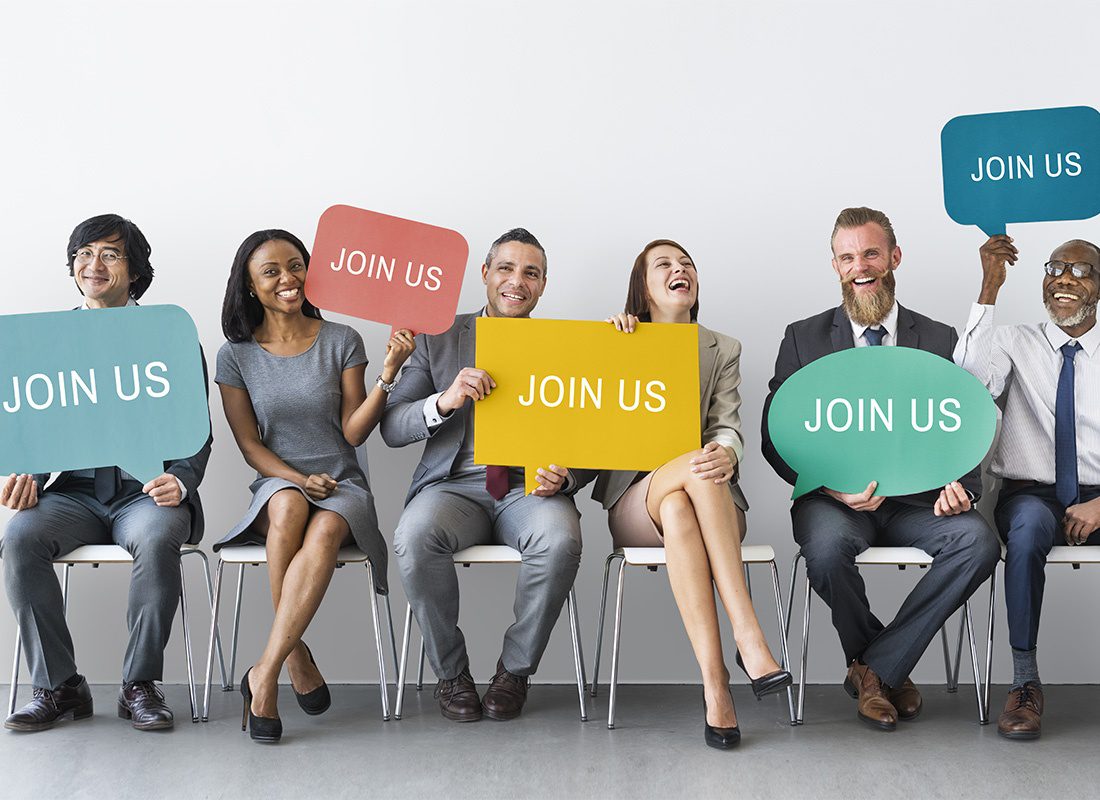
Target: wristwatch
385 387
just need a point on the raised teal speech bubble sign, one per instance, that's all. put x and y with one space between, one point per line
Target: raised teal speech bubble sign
103 387
1022 166
906 418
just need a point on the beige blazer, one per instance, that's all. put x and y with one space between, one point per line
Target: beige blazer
720 413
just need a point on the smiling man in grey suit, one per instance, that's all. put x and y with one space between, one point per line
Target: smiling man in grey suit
453 503
832 528
109 260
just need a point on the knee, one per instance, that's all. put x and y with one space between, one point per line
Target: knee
557 547
22 541
163 539
828 552
287 512
415 540
977 540
677 513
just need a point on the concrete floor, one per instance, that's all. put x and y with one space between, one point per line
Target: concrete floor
656 750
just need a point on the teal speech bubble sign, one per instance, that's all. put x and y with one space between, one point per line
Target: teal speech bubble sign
1022 166
103 387
906 418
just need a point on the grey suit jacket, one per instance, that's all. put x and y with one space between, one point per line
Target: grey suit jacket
432 368
719 409
830 332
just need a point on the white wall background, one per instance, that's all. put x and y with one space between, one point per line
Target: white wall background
739 129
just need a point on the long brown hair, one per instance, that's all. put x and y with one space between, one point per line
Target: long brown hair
637 298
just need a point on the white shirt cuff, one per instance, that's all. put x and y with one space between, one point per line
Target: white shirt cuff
979 315
432 418
183 489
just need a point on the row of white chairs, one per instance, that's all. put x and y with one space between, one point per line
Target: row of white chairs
650 558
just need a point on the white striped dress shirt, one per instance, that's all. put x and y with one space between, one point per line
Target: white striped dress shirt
1020 365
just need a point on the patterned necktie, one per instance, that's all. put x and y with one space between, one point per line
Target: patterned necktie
107 483
1065 432
496 481
874 336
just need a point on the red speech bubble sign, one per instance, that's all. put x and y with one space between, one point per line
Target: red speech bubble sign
387 269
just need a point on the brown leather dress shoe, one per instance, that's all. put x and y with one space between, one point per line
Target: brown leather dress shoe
47 706
874 707
458 698
142 702
906 700
1023 713
506 695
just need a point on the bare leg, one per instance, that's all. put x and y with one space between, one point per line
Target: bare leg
722 526
692 586
304 585
284 519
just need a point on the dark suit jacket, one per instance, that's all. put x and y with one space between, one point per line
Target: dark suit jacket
432 368
830 332
190 471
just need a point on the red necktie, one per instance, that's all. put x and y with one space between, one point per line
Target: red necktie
496 481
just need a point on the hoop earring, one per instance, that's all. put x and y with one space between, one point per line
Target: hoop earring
251 294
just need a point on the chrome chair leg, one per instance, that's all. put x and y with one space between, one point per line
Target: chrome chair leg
15 671
382 684
615 647
599 629
578 659
236 624
790 596
805 652
983 717
210 601
213 633
782 639
989 642
420 665
65 589
946 657
187 645
954 684
393 638
400 700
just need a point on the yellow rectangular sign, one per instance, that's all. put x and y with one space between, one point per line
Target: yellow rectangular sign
584 395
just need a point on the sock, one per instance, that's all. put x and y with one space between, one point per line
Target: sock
1025 667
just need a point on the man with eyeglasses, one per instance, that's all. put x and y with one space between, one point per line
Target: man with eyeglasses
1046 377
108 258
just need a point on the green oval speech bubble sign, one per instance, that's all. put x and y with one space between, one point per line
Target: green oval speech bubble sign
906 418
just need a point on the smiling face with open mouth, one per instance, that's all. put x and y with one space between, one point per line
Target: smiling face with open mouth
671 282
102 273
515 280
277 273
1070 301
865 263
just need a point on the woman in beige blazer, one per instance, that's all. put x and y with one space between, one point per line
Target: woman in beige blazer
692 506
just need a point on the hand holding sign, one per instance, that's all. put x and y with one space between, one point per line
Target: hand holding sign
387 269
1022 166
115 386
902 418
596 399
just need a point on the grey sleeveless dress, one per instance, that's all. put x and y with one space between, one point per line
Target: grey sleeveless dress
297 404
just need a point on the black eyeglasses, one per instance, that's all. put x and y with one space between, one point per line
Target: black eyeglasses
1080 269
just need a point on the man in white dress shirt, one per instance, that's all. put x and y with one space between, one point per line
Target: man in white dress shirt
1046 378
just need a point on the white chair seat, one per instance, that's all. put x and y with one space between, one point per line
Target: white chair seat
655 556
106 554
488 554
257 554
894 556
1068 554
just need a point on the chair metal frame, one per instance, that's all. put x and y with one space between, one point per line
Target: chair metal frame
902 557
96 554
490 554
651 558
254 555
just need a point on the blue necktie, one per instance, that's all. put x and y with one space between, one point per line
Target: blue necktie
1065 432
874 336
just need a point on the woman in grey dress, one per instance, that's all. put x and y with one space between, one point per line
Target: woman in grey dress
293 392
692 505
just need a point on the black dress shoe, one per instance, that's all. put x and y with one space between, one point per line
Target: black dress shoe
142 702
260 729
506 694
767 684
720 738
47 706
458 698
316 701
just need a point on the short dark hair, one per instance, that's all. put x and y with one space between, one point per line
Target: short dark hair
521 235
111 226
241 311
637 297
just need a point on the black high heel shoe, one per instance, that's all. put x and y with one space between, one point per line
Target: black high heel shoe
316 701
766 684
719 738
261 729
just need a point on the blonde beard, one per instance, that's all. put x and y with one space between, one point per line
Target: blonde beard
869 310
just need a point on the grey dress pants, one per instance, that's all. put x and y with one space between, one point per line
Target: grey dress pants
67 519
454 514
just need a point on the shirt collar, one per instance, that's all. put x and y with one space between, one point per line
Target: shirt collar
129 302
889 325
1057 337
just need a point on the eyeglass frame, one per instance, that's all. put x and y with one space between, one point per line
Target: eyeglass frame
1072 266
97 254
